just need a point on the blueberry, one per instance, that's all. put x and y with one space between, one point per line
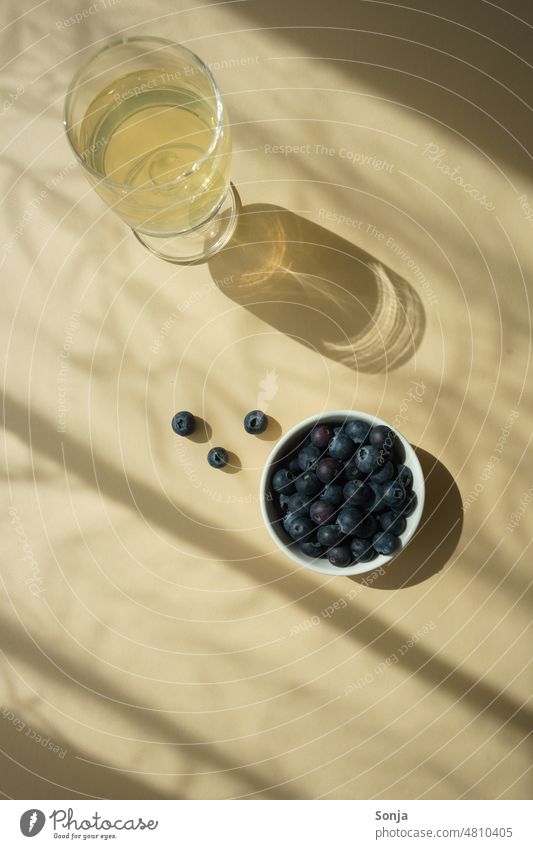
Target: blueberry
367 528
333 494
386 473
382 437
392 522
300 527
307 457
356 492
298 504
352 471
327 469
404 475
408 506
385 543
362 550
357 430
217 458
377 502
393 494
308 484
340 556
349 519
294 466
328 535
255 422
312 549
284 501
367 458
321 512
183 423
291 516
283 481
320 436
341 447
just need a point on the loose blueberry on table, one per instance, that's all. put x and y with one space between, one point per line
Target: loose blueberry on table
217 458
345 493
183 423
255 422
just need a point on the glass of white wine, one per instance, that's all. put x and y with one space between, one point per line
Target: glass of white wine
146 121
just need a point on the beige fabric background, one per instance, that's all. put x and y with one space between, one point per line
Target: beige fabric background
164 648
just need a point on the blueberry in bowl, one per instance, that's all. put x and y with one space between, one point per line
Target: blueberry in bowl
342 493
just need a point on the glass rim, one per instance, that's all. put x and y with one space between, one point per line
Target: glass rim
74 84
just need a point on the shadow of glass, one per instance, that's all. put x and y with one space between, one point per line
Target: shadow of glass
319 289
438 534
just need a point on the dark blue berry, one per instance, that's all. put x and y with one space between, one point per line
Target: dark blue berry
255 422
408 505
393 494
367 458
382 437
328 535
300 527
357 430
356 492
392 522
284 501
320 436
307 457
385 543
217 458
341 447
404 475
340 556
294 466
312 549
362 550
349 519
384 474
333 494
367 527
321 511
377 503
183 423
298 504
308 484
283 481
327 469
352 471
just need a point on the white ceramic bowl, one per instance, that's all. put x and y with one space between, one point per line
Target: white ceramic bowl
270 510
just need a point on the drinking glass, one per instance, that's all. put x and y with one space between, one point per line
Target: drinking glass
146 121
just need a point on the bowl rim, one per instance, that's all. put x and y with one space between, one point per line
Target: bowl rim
318 564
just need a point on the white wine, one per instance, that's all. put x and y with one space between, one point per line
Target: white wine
162 149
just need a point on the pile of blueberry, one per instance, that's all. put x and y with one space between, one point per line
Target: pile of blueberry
345 493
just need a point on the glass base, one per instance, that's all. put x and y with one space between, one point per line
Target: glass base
199 244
